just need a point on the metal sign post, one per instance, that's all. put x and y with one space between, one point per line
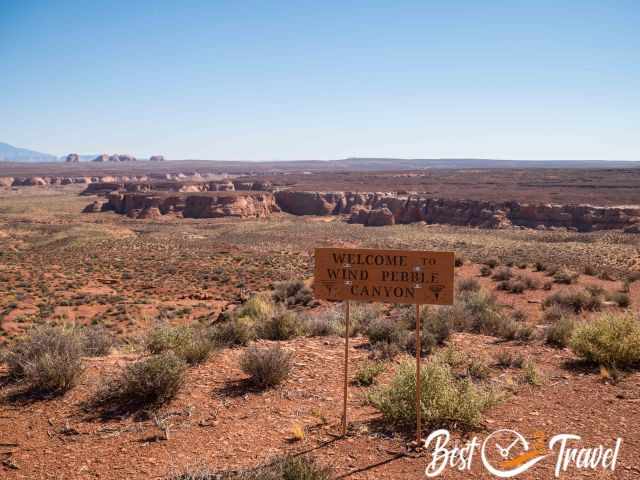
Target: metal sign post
384 276
346 369
418 382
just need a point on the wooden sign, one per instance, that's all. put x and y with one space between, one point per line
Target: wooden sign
387 276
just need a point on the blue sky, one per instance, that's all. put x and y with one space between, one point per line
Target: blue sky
259 80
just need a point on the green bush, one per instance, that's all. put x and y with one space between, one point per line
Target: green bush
446 399
282 326
267 366
48 360
559 333
368 372
149 382
459 261
612 340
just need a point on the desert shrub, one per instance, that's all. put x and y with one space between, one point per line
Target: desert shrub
551 270
478 369
386 330
519 316
292 293
620 298
361 315
633 277
540 267
595 290
589 270
192 344
48 360
575 301
286 468
282 326
267 366
96 341
559 334
530 282
604 275
502 274
485 270
258 307
368 372
468 285
610 340
522 265
506 359
234 332
321 325
492 262
149 382
530 374
512 286
386 351
459 261
547 286
525 333
565 276
555 312
446 399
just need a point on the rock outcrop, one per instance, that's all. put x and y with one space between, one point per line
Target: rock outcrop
101 158
6 182
197 205
475 213
72 158
156 158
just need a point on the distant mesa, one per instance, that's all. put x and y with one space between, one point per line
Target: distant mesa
72 158
101 158
156 158
122 158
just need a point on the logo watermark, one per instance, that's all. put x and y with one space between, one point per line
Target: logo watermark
506 453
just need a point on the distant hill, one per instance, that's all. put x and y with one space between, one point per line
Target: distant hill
456 163
9 153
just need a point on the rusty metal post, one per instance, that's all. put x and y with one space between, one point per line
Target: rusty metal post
418 382
346 369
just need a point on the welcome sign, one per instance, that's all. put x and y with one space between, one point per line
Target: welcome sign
387 276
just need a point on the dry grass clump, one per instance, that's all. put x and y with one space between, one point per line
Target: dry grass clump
285 468
559 333
97 341
502 274
506 359
48 360
234 332
192 344
485 271
292 293
267 367
612 340
492 262
574 301
468 285
149 382
324 324
446 398
619 298
284 325
565 276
